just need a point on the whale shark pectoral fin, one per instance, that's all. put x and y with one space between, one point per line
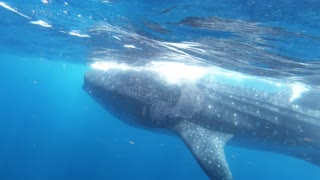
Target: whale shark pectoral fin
207 147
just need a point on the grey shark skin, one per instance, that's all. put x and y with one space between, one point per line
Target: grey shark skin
207 115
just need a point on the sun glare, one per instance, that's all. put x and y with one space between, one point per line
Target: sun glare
172 72
175 72
297 90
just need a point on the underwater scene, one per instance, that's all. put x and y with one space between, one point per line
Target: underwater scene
171 89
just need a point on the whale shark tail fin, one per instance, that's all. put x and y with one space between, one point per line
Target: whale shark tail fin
207 147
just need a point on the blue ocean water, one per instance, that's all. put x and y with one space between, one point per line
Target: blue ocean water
51 129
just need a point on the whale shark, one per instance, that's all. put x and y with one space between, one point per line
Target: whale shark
209 108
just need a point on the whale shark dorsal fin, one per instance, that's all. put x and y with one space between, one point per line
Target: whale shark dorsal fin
207 147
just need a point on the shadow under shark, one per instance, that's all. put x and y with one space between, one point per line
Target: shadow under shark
209 108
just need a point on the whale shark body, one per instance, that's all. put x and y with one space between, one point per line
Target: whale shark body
209 108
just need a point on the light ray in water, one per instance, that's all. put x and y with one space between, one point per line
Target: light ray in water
13 10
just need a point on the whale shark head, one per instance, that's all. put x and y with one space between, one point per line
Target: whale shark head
137 96
146 95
